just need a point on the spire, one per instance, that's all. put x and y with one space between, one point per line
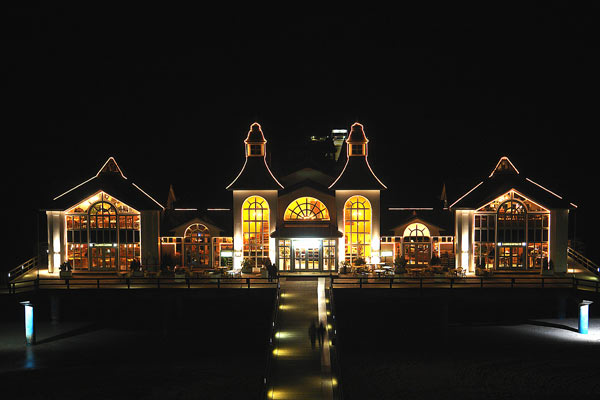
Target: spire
357 141
255 174
255 141
357 173
444 196
172 198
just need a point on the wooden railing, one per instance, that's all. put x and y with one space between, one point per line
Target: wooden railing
583 261
139 283
466 282
267 379
21 269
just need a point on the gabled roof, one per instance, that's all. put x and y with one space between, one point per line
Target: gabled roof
255 174
109 179
357 173
173 219
393 218
505 177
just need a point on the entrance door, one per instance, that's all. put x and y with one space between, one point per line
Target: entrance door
306 255
103 259
511 257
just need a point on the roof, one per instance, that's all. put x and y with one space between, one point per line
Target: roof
504 178
393 218
357 173
177 217
255 134
109 179
255 173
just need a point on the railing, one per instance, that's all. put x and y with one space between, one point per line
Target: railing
465 282
18 271
139 283
334 348
583 261
272 344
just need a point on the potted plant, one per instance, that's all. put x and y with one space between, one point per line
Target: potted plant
344 267
247 265
136 269
359 265
399 265
180 273
65 270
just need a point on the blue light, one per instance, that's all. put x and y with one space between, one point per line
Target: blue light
584 308
29 323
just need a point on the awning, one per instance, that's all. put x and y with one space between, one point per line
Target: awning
311 231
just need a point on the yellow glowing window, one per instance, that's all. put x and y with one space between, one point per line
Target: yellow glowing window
416 233
255 227
357 224
306 208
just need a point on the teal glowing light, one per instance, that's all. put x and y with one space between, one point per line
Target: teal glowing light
29 323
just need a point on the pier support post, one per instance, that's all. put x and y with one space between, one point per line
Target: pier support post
29 323
584 309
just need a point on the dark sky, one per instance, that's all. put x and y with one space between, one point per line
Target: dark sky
171 92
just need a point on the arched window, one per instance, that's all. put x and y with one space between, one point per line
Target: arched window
357 228
196 242
417 244
416 233
103 235
102 232
512 217
306 208
255 228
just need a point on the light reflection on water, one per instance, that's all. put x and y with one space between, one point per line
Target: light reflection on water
29 358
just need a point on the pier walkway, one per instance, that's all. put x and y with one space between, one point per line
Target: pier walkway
301 371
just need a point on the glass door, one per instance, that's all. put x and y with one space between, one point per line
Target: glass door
510 257
103 259
307 254
312 259
299 258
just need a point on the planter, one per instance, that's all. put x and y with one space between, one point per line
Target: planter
255 270
65 274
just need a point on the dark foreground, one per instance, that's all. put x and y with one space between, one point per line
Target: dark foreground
402 347
154 346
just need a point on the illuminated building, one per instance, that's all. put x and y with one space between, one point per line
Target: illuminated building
103 224
309 220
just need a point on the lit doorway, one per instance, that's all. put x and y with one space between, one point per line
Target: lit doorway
306 254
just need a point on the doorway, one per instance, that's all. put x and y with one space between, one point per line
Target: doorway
307 255
103 258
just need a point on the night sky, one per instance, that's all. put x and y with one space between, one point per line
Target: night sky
171 92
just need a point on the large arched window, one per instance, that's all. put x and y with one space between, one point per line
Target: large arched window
196 242
512 217
102 233
103 236
255 228
357 228
306 208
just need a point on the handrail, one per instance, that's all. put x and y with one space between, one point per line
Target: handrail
334 348
465 282
584 261
272 339
22 268
138 283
